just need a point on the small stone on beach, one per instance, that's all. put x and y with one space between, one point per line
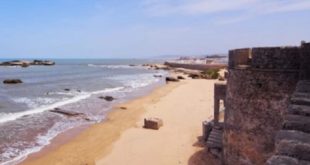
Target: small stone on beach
153 123
172 79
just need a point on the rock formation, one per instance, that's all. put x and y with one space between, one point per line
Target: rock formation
12 81
27 63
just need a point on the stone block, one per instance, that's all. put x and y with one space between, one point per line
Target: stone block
294 149
153 123
297 122
282 160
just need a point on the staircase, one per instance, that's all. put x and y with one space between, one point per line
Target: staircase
293 141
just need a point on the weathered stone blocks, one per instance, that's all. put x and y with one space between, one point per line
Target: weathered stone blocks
287 58
153 123
239 57
256 104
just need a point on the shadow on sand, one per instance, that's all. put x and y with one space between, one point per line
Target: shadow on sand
203 156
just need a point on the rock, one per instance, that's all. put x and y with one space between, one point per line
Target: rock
180 77
194 76
153 123
67 89
12 81
42 62
172 79
66 113
107 98
27 63
123 108
158 76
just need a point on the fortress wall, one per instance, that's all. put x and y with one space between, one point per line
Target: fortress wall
305 62
239 57
257 98
287 58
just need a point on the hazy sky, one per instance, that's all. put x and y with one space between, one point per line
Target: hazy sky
146 28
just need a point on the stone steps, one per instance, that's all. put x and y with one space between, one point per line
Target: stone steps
285 160
293 141
300 101
215 139
297 122
302 110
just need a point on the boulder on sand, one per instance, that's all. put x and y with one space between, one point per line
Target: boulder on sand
12 81
173 79
180 77
194 76
153 123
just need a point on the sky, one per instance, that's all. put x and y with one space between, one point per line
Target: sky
147 28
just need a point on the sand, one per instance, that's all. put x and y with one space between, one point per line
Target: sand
122 140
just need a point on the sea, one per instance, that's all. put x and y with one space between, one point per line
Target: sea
73 85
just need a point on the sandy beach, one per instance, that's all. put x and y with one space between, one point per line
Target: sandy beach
121 139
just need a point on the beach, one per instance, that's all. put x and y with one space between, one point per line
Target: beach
121 139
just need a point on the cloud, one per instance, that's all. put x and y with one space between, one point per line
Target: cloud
245 9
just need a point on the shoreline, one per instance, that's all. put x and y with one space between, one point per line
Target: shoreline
67 137
94 144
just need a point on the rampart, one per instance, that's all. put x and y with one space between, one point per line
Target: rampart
260 84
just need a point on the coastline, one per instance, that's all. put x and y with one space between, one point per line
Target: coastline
98 143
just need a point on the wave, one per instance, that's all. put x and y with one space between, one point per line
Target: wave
41 141
5 117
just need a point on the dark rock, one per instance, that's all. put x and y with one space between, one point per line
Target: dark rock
195 76
67 89
25 65
180 77
172 79
107 98
158 76
12 81
66 113
123 108
42 62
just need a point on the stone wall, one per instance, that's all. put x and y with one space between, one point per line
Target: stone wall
239 57
305 61
257 97
287 58
201 67
293 141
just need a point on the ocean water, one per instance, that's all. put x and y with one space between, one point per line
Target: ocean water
26 123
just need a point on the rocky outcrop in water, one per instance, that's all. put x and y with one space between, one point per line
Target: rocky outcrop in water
12 81
69 113
107 98
23 63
